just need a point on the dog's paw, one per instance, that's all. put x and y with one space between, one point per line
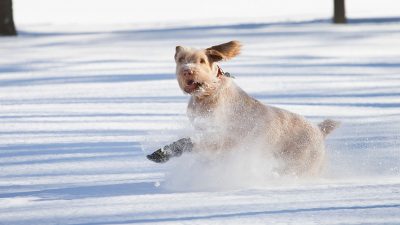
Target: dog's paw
172 150
158 156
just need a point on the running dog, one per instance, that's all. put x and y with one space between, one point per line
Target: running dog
226 116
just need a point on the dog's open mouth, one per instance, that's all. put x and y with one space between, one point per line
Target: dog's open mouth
192 86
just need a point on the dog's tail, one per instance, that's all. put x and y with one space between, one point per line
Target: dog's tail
327 126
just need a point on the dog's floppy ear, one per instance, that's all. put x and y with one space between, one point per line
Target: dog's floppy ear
177 50
224 51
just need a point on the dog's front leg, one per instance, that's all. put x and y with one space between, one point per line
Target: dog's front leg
172 150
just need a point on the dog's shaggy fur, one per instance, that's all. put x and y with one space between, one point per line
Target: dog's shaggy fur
229 117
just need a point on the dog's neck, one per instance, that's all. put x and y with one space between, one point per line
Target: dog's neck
221 73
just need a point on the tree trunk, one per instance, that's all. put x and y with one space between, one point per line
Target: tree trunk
7 26
339 13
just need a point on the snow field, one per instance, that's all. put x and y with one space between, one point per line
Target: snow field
79 111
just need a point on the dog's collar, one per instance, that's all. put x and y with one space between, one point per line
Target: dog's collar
222 73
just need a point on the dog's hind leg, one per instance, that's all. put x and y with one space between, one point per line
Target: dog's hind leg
303 157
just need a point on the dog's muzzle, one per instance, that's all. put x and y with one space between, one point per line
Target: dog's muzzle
191 86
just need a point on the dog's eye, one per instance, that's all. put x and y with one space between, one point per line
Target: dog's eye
181 59
202 61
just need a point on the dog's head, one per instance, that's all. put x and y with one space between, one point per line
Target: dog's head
197 71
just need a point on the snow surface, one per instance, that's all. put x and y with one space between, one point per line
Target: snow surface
81 108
